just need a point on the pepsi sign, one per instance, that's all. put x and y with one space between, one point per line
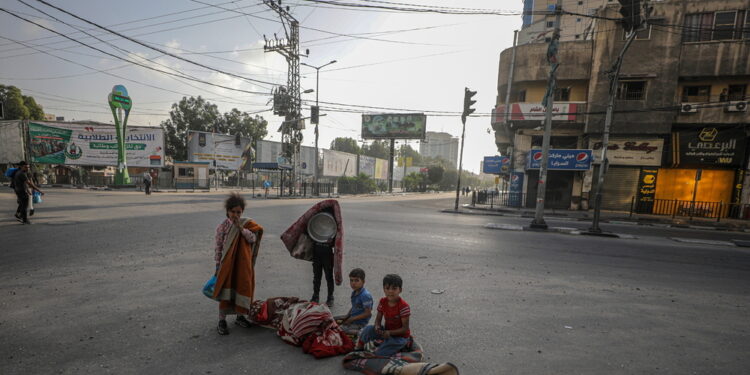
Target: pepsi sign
566 160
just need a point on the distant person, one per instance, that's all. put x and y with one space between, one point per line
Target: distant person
396 313
361 311
147 179
23 186
266 185
237 244
724 96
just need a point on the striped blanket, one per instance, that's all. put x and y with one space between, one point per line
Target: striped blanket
407 362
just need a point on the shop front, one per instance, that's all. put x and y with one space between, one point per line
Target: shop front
563 166
706 174
628 157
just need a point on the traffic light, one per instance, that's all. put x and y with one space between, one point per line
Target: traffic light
468 94
314 114
631 14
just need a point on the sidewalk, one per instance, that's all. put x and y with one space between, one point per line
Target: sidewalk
615 217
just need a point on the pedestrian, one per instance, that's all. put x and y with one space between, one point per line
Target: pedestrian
724 95
323 262
266 185
237 244
147 182
24 186
396 313
361 311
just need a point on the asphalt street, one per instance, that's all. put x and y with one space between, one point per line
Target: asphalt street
109 282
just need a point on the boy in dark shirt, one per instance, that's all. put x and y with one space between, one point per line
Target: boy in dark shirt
396 313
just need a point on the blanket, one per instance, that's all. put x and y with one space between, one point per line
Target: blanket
297 232
235 281
407 362
269 313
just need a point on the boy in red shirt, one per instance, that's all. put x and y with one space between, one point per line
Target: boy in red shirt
396 312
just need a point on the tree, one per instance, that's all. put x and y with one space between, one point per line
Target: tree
235 122
189 114
435 174
408 152
19 107
346 144
378 149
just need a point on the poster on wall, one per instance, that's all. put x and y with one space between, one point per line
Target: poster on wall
228 153
381 169
338 164
561 159
646 190
367 165
630 151
94 144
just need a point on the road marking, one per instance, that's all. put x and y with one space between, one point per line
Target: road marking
702 242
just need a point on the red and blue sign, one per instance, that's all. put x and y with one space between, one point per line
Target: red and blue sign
566 160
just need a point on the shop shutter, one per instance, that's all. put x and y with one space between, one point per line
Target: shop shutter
620 185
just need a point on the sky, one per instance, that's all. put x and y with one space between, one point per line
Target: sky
382 61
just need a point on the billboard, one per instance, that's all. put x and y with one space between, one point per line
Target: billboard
709 146
570 160
394 125
228 154
491 164
381 169
11 142
94 144
337 164
535 111
367 165
630 151
271 152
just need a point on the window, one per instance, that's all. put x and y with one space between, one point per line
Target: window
632 90
737 92
578 20
643 34
550 24
562 94
521 96
185 172
724 25
694 94
698 27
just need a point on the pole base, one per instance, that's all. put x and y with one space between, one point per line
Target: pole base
538 226
600 234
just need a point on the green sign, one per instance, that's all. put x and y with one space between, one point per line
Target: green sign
394 125
50 145
119 99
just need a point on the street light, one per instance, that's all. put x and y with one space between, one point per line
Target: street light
317 91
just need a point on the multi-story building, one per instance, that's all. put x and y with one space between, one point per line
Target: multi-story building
442 145
680 110
538 26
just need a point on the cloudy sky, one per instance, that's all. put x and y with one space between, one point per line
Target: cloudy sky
411 61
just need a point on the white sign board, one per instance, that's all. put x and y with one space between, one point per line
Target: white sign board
11 142
228 155
630 151
337 164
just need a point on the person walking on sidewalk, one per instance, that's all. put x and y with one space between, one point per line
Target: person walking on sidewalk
24 186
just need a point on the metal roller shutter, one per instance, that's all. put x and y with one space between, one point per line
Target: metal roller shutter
620 185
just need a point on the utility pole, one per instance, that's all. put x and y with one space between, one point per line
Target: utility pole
506 115
315 118
291 134
632 20
390 166
538 222
468 102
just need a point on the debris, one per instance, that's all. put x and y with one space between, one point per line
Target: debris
568 327
438 291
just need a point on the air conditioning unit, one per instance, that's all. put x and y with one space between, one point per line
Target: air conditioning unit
688 108
738 106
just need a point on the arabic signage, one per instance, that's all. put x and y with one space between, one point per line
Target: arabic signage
338 164
630 151
207 147
535 111
709 146
570 160
394 125
271 152
646 190
94 144
491 164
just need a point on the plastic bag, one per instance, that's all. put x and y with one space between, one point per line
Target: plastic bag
36 197
208 289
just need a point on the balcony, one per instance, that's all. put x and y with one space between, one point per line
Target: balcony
714 113
531 62
524 114
711 59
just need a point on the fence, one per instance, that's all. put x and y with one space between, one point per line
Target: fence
691 209
499 199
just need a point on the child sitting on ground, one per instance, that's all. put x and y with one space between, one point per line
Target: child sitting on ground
361 311
396 312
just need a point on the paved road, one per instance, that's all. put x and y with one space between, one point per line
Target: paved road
108 282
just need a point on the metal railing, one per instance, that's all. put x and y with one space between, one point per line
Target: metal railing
698 209
499 199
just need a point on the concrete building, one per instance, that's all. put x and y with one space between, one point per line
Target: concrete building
442 145
680 111
538 28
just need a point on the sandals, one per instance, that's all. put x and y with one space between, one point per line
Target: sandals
242 321
222 327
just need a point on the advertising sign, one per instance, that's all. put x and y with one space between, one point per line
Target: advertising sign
394 125
228 154
11 142
630 151
646 190
94 144
337 164
709 146
515 197
491 164
535 111
381 169
570 160
367 165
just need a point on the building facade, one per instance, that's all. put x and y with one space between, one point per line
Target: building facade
679 131
538 27
442 145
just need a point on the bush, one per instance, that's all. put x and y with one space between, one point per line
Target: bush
362 184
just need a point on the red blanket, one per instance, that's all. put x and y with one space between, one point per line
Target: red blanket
292 235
